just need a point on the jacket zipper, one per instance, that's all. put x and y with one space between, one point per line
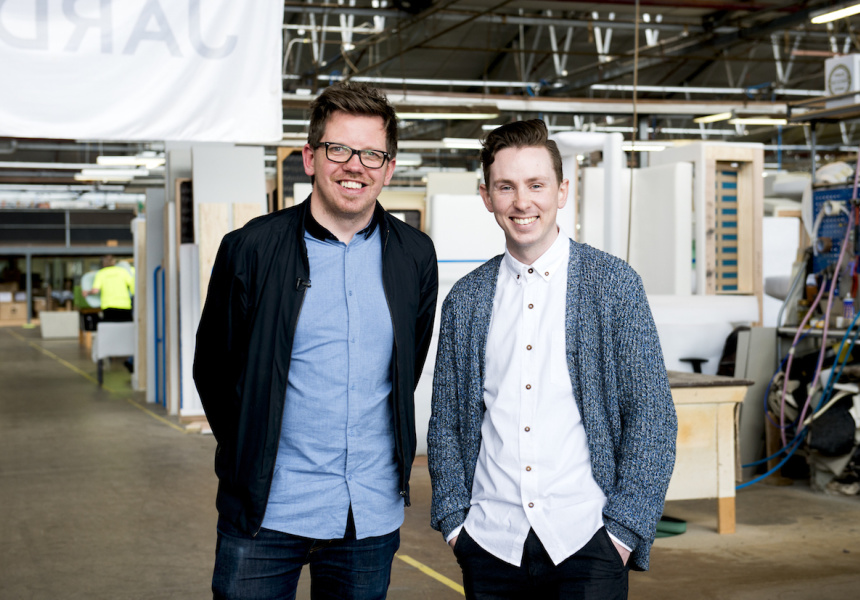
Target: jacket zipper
394 379
302 286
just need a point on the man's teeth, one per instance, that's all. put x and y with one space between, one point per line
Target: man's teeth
352 185
525 221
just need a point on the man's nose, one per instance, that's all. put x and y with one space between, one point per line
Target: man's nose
354 163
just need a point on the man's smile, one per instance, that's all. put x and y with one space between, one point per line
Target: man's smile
523 220
352 185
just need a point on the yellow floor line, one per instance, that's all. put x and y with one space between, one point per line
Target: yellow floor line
89 377
156 417
431 573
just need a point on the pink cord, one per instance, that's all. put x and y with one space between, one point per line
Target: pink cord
827 317
833 283
790 359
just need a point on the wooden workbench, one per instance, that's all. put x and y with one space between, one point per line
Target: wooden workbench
705 465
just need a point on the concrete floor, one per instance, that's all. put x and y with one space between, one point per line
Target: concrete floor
102 496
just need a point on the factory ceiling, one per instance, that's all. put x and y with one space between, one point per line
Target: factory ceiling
646 68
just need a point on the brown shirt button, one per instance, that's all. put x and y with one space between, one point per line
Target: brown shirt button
531 504
528 428
528 468
546 273
531 270
531 305
529 347
528 386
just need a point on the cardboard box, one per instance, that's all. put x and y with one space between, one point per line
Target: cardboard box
9 287
13 311
59 324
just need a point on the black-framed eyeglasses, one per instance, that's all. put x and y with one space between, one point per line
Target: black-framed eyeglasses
372 159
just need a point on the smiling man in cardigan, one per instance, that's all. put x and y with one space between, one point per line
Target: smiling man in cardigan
552 435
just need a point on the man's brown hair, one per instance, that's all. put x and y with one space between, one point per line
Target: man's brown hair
520 134
354 99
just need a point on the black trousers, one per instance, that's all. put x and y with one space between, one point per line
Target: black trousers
116 315
595 572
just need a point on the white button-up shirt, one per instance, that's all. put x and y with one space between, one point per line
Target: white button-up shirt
533 468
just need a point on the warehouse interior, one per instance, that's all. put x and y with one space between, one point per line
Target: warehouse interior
712 145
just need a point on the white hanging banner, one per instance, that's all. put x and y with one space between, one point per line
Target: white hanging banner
184 70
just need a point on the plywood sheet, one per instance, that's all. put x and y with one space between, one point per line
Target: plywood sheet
214 223
244 212
695 474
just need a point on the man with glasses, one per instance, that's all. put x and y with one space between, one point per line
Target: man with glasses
314 333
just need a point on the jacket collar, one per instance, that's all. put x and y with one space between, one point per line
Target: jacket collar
313 227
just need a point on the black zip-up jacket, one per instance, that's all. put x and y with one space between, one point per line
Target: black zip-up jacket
245 339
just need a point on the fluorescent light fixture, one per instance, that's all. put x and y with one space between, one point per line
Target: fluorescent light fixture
415 112
723 116
408 159
148 161
446 115
757 121
82 177
462 143
642 148
836 14
110 174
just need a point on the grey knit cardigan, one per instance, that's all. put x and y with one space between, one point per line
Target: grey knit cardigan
619 382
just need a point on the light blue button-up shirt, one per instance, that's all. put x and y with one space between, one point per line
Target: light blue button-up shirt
337 442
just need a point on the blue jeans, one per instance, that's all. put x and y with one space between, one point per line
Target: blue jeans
268 565
595 572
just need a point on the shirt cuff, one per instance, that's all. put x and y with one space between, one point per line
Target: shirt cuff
619 542
454 533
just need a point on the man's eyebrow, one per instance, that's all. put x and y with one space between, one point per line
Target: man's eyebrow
537 179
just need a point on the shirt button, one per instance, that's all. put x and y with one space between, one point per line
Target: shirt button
531 305
531 270
546 273
531 504
529 347
528 429
528 386
528 468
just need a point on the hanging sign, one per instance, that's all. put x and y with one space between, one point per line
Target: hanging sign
180 70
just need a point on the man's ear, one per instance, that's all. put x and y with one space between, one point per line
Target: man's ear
562 192
389 170
485 196
308 159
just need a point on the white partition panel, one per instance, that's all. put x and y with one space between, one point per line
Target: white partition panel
189 319
660 231
465 235
780 243
572 143
661 237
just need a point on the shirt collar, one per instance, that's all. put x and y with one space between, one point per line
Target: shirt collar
550 262
313 227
